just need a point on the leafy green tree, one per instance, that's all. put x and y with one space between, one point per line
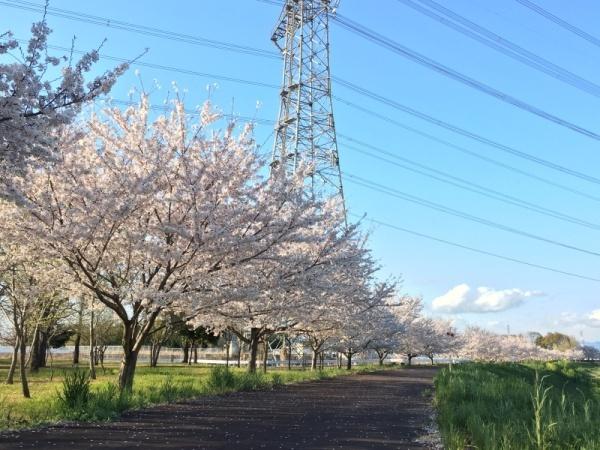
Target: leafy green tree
556 341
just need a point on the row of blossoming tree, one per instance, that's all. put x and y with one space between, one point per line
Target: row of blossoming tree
154 215
149 217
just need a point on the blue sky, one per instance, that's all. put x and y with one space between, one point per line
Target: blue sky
428 268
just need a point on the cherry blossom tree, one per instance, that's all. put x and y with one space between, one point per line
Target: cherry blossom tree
415 327
150 215
360 318
387 332
298 279
439 337
29 295
483 345
34 102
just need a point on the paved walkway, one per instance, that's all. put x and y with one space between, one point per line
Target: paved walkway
388 409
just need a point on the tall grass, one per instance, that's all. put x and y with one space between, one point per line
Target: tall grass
552 406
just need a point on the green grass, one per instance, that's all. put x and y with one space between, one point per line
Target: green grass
504 406
163 384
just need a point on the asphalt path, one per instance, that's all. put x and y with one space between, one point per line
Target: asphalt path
382 410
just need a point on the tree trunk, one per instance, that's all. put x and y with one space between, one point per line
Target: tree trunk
265 355
195 353
431 359
186 353
24 383
35 354
239 355
349 360
313 364
410 357
154 353
101 352
76 349
254 338
289 355
92 337
10 379
127 369
227 345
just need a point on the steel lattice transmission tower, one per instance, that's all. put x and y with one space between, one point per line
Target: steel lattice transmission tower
305 129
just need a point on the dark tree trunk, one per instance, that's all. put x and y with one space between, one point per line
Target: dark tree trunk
431 359
239 355
10 379
92 337
127 369
39 348
265 354
22 352
101 350
349 360
289 355
313 364
186 353
227 345
132 342
76 349
154 353
195 353
410 357
254 339
34 356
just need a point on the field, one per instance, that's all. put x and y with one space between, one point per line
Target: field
519 406
163 384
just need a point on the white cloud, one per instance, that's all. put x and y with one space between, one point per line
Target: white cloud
593 318
464 299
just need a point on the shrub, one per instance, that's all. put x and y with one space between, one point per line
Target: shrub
250 382
75 393
220 379
276 379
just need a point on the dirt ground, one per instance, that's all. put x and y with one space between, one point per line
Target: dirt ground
388 409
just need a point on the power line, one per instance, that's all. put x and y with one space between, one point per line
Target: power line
448 72
469 152
249 82
560 22
454 212
73 15
350 104
492 40
458 130
167 108
360 108
166 68
398 194
474 249
461 131
461 183
139 29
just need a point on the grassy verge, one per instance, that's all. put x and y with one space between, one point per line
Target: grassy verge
100 399
519 406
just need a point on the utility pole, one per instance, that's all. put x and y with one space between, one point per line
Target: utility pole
305 129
